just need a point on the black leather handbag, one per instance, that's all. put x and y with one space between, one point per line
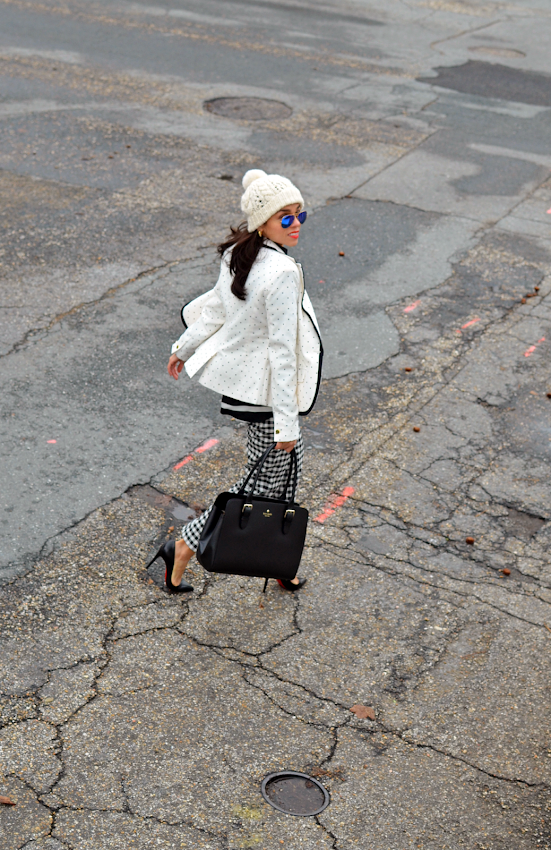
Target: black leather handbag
248 535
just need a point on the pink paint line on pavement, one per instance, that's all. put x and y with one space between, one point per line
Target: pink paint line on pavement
411 307
51 441
532 348
468 324
183 462
548 212
335 502
206 446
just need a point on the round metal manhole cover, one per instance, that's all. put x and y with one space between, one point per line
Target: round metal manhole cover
248 108
294 793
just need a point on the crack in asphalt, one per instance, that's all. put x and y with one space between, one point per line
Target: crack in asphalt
334 839
446 754
467 31
418 580
445 544
32 332
304 688
316 724
153 818
453 549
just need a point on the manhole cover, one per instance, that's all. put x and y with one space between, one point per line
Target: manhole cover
294 793
248 108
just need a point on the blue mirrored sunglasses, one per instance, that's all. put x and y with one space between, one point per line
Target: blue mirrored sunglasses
287 220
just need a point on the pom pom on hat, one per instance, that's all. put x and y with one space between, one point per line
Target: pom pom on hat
250 176
264 195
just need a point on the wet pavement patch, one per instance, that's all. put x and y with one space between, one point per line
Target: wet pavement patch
522 524
248 108
154 497
295 793
488 80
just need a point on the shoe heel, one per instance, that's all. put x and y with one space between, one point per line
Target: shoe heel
166 552
154 558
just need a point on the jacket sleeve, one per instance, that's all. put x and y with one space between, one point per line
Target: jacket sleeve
212 318
282 316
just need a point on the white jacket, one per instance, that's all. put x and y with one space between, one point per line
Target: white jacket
265 350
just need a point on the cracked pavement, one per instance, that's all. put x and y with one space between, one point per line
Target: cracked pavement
419 134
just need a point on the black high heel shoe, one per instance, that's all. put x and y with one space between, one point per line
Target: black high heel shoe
288 585
167 553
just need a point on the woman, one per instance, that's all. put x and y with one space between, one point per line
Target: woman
254 338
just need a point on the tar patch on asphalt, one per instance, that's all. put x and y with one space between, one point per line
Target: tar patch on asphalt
488 80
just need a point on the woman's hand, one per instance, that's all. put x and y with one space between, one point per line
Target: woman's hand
287 447
175 366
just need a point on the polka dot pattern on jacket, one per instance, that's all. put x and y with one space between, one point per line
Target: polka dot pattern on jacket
265 350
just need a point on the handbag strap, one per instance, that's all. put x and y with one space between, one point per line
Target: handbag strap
257 468
259 463
293 467
293 471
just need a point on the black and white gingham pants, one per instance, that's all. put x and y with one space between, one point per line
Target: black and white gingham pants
272 478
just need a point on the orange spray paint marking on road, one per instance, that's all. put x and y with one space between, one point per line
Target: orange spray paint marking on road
468 324
548 212
51 441
183 462
532 348
206 446
412 307
335 502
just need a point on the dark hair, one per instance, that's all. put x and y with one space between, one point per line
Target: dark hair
245 251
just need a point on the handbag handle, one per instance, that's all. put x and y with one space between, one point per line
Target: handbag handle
257 468
260 462
293 470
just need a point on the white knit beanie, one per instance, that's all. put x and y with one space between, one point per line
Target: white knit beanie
264 195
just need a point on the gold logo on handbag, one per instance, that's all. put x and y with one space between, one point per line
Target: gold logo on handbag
267 513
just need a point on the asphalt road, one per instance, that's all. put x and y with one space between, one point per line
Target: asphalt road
419 134
112 170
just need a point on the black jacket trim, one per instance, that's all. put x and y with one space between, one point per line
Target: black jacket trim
320 362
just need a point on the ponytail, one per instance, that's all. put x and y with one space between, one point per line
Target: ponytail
245 251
